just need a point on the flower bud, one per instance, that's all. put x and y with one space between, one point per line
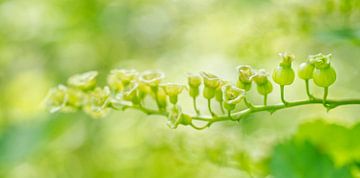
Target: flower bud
324 74
56 99
264 86
174 117
210 80
284 74
209 93
194 81
306 71
161 97
320 61
118 78
232 95
131 93
219 92
286 59
244 80
98 102
173 90
152 78
84 81
185 119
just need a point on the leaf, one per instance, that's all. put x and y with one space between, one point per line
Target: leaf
301 159
340 142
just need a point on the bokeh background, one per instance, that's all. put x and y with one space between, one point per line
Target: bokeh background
43 42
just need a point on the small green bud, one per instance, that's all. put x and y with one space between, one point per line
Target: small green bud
173 90
131 93
209 93
264 86
284 74
98 102
320 61
210 80
84 81
194 81
324 74
185 119
57 98
306 71
219 92
244 80
286 59
161 97
232 95
152 78
118 78
193 92
175 117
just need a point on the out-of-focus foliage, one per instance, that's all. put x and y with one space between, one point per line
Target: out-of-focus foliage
43 42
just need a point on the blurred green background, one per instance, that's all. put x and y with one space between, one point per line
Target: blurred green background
43 42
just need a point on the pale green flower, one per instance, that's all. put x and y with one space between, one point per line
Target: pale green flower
84 81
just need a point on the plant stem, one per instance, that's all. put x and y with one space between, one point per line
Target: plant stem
282 94
255 109
195 106
247 103
221 107
311 97
209 108
326 92
265 100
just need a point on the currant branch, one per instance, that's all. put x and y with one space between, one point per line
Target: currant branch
127 89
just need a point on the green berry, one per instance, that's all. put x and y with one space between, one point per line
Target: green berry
306 71
324 74
284 74
232 95
324 77
264 86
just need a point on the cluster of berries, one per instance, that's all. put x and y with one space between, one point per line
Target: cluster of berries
129 88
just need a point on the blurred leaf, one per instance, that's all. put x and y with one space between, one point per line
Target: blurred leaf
301 159
339 141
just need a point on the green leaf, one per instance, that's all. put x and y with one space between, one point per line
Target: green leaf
301 159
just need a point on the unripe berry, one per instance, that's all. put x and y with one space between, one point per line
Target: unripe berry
219 92
232 95
210 80
131 93
98 102
173 90
324 74
264 86
244 79
161 97
194 81
120 78
284 74
306 71
211 83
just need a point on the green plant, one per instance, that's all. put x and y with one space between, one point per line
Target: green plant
128 89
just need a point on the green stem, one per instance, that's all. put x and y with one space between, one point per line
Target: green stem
255 109
326 92
282 93
247 103
229 115
265 100
221 107
209 107
311 97
195 106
